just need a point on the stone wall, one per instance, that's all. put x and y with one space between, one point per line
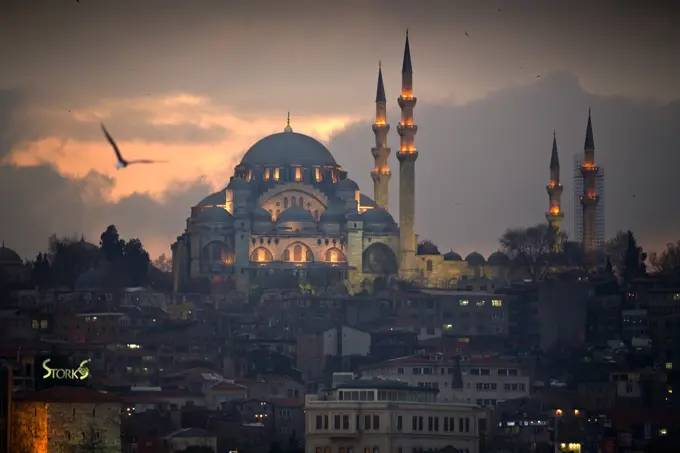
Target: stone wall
29 428
74 424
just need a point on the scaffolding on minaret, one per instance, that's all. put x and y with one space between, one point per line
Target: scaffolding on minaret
578 209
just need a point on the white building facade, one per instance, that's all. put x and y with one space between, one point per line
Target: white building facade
379 416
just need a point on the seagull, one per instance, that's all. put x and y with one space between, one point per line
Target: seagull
122 163
538 76
466 34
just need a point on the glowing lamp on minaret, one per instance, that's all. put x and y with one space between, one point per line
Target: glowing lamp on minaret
381 173
554 216
407 157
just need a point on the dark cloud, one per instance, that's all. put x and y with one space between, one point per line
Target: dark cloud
11 101
483 167
36 202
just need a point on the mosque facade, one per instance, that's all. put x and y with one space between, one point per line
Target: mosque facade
291 207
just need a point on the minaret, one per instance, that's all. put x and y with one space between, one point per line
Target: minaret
407 156
589 198
288 128
381 172
554 216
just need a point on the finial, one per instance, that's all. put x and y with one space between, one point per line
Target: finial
554 134
379 64
288 128
407 32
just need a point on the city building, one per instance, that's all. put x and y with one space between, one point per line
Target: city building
374 416
60 418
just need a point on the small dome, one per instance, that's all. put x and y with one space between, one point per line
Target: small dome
9 256
295 214
452 256
498 259
238 184
427 248
475 259
214 214
348 185
377 215
260 214
335 212
94 279
218 198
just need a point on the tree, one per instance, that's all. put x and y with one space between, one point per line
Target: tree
40 271
531 248
615 249
111 244
136 262
69 260
667 263
163 264
633 265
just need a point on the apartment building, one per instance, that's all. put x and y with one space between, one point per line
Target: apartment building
382 416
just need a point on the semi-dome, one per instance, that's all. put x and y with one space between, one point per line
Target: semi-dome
348 184
452 256
427 248
214 214
9 256
260 214
498 259
217 198
295 214
476 259
288 148
238 184
377 215
335 212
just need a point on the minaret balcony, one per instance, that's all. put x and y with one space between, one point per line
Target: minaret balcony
589 200
407 155
406 101
587 170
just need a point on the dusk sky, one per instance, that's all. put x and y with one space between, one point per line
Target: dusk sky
197 82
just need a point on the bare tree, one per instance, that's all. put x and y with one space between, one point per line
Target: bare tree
531 249
615 248
163 263
667 263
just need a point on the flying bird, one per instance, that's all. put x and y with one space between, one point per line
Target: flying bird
122 163
538 76
466 34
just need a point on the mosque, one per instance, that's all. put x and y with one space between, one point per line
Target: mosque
291 207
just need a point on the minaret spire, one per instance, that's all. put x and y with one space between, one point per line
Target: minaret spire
407 156
590 198
381 172
554 216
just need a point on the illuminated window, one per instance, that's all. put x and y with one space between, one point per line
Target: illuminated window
298 174
250 175
43 324
669 365
317 174
497 303
480 303
276 174
297 253
334 176
267 174
35 324
463 303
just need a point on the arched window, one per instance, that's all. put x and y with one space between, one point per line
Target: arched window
297 253
302 202
309 256
285 202
286 255
429 265
261 255
334 255
293 201
278 211
316 215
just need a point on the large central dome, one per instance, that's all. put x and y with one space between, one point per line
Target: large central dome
288 148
